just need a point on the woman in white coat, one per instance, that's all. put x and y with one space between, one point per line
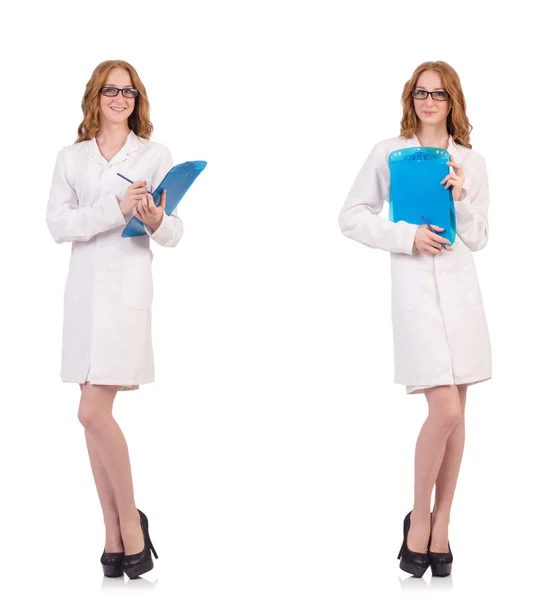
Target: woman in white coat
107 345
441 340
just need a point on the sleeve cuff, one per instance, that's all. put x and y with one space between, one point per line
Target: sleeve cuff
162 235
408 237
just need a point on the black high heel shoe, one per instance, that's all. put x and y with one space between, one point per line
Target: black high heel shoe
441 562
415 563
135 565
112 564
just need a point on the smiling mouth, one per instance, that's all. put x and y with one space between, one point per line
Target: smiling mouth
118 108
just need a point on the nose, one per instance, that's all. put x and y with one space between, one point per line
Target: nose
118 100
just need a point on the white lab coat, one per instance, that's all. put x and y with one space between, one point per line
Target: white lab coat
440 332
108 294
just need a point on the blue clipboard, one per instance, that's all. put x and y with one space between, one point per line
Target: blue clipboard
176 183
415 190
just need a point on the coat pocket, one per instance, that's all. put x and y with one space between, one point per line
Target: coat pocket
137 287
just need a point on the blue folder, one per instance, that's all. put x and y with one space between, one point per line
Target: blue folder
176 183
415 189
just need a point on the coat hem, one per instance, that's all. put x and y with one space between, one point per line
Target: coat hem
123 385
419 389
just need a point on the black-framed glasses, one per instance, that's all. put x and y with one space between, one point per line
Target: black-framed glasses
112 92
436 95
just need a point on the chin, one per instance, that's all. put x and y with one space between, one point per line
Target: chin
432 120
114 118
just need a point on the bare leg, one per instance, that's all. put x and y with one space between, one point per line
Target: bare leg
444 414
106 497
445 486
110 464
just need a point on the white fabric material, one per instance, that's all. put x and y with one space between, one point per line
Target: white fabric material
108 294
440 332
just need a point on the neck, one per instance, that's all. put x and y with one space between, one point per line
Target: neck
433 135
112 134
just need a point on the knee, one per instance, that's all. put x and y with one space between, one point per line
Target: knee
89 417
95 406
447 409
451 416
90 414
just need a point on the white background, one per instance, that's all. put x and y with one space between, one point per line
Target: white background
273 455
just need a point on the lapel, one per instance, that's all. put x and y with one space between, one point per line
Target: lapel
413 142
132 144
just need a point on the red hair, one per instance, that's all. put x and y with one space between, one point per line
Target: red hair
139 119
457 123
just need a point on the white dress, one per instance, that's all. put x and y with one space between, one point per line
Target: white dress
108 295
440 333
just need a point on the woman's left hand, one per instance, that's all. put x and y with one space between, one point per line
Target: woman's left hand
149 213
454 180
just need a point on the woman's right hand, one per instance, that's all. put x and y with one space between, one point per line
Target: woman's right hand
430 243
134 194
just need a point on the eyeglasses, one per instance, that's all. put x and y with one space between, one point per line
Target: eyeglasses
437 95
112 92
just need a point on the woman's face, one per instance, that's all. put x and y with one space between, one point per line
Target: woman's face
116 109
429 111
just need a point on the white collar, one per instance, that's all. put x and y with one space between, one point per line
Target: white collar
132 144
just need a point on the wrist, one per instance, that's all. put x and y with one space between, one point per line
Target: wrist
459 195
154 226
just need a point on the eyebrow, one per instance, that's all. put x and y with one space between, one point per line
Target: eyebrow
114 85
441 89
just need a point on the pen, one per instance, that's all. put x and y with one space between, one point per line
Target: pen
425 221
124 177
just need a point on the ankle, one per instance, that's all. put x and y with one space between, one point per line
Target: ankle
440 520
130 517
131 525
113 541
112 524
420 519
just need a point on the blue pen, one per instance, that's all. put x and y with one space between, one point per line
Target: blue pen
124 177
428 225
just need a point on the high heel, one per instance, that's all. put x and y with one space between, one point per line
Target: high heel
135 565
441 562
415 563
112 564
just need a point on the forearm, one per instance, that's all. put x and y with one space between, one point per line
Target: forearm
80 224
377 232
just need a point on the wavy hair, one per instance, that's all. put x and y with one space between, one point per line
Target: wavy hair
457 123
139 119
